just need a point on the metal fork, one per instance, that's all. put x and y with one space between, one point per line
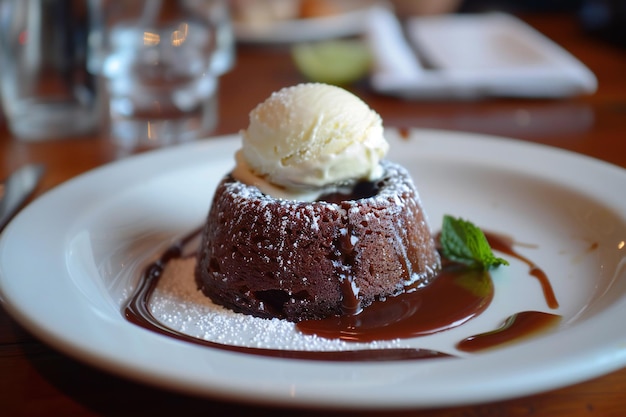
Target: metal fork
16 189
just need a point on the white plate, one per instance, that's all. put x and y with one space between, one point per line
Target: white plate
61 261
474 55
350 22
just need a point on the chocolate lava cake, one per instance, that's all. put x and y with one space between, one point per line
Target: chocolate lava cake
299 260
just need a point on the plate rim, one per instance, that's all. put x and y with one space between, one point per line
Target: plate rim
612 357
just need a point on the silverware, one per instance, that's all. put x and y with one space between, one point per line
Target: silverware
16 189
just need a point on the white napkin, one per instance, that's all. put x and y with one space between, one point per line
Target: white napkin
492 54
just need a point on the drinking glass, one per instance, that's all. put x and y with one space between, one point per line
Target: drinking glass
45 88
158 63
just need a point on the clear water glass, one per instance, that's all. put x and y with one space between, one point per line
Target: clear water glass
46 90
159 64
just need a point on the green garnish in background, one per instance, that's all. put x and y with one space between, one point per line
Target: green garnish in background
462 241
338 62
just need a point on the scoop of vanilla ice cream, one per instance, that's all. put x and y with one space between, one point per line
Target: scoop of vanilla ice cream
312 135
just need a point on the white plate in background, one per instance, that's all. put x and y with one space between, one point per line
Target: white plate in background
350 20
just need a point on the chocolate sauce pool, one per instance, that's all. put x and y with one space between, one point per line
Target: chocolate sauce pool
457 295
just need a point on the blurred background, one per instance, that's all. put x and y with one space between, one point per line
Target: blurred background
148 74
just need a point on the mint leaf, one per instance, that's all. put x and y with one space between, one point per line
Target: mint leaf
462 241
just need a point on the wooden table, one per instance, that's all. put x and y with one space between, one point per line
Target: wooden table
36 380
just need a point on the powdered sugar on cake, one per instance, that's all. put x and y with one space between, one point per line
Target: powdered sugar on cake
179 305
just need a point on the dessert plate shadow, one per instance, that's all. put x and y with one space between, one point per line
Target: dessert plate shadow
64 263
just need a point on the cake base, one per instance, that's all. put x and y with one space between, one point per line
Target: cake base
299 260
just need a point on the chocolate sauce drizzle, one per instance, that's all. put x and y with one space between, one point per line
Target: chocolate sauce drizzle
505 245
137 312
515 327
457 295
